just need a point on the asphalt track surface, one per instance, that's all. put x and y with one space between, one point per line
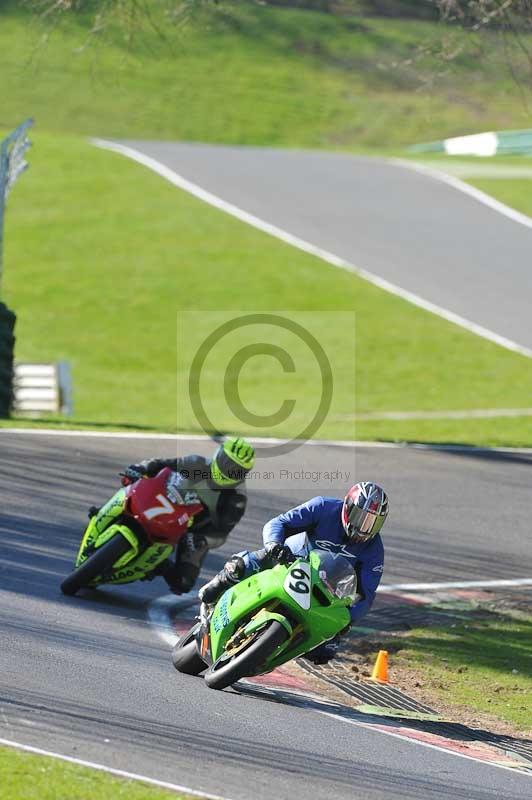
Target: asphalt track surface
406 227
75 672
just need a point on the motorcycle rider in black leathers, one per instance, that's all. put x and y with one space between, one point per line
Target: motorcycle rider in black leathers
220 485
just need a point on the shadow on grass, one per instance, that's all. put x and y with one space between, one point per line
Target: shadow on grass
61 422
489 640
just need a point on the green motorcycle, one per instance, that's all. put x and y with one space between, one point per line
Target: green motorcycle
268 619
134 532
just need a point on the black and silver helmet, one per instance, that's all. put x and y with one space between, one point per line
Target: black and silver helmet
364 511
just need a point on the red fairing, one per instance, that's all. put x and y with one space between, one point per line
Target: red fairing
159 506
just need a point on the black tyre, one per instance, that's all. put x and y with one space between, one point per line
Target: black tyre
225 672
185 656
101 560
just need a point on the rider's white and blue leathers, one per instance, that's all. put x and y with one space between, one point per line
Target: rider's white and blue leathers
321 519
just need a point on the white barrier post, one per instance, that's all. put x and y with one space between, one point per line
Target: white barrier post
43 388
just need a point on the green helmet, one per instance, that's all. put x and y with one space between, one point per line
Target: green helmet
231 462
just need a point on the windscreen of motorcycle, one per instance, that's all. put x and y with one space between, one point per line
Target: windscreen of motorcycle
337 574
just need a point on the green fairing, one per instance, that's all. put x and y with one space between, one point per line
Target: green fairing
132 566
98 530
138 568
262 597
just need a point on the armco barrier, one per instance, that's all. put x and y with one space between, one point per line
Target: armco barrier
481 144
7 347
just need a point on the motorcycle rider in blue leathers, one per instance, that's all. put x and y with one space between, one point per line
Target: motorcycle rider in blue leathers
348 528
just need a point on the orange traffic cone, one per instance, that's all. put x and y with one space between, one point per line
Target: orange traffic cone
380 670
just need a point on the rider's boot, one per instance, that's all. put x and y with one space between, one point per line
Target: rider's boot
232 573
93 510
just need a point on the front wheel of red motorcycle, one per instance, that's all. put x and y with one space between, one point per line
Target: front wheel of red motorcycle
102 559
225 672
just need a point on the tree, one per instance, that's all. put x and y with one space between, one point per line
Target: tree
129 17
511 20
508 20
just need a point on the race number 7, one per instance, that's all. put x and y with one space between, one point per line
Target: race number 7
165 508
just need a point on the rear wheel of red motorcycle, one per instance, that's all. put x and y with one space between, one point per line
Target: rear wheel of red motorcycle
103 558
185 656
248 662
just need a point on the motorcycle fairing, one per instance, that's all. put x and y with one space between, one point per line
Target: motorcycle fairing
141 566
134 564
162 506
262 597
100 528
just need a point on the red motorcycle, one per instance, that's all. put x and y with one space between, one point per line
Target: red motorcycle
134 532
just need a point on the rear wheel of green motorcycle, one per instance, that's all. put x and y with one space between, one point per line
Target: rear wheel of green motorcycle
185 656
103 558
225 672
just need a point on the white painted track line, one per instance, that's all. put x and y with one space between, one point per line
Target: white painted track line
194 437
472 413
120 773
515 769
465 188
159 615
422 587
336 261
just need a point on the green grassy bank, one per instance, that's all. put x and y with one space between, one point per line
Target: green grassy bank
104 269
243 72
24 776
104 260
472 666
482 663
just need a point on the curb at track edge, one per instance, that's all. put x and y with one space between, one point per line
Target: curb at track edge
159 618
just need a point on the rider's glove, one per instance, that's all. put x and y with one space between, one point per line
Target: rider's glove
130 475
279 553
323 653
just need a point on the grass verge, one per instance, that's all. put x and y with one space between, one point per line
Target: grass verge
482 664
475 670
25 776
516 192
507 178
242 72
101 270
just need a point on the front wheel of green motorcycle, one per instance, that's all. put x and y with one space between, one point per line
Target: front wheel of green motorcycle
226 671
185 656
103 558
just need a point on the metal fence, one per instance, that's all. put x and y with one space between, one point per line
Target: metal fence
490 143
12 165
